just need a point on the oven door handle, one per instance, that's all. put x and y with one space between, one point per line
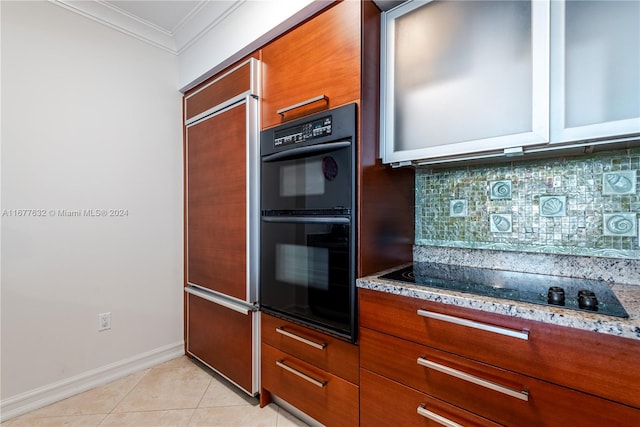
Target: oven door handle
307 219
310 149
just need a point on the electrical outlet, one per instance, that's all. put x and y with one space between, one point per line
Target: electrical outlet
104 321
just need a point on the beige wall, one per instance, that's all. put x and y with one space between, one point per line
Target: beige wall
91 119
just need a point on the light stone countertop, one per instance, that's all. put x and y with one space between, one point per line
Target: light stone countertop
628 295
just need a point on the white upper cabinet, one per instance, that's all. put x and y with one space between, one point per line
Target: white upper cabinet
595 64
479 79
463 77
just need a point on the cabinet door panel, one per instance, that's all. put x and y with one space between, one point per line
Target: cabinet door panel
464 77
223 339
230 85
321 57
595 69
217 203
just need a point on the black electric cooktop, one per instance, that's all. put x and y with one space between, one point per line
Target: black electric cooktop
592 296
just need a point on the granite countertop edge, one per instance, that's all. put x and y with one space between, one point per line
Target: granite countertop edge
628 295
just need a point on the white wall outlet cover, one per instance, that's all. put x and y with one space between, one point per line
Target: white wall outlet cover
104 321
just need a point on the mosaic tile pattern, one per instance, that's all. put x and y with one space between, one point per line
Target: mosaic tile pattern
555 206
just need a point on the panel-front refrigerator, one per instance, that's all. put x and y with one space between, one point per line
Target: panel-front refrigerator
221 229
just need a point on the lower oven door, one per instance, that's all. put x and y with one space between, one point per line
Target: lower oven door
307 271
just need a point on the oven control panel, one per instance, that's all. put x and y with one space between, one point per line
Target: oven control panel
303 132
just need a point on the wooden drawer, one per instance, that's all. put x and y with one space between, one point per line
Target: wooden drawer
223 339
500 395
595 363
319 394
327 353
384 402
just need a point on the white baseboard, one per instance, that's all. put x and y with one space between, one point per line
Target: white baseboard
51 393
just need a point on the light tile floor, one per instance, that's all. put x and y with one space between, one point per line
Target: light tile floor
176 393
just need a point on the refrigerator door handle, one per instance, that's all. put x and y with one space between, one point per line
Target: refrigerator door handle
216 300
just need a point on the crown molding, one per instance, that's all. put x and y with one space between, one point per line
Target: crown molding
189 30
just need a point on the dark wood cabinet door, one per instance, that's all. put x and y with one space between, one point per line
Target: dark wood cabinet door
320 57
223 339
217 202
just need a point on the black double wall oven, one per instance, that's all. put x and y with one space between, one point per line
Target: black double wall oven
308 230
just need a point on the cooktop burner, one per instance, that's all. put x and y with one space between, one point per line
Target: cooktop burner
565 292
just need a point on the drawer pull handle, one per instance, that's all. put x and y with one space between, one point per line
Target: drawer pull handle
318 345
300 374
523 335
437 418
284 110
518 394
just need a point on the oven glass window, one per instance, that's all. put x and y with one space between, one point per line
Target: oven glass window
302 178
319 181
305 273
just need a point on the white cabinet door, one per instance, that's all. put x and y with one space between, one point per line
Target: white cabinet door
464 77
595 63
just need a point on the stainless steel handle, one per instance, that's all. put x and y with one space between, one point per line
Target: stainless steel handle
318 345
217 300
303 103
300 374
437 418
523 335
518 394
307 219
309 149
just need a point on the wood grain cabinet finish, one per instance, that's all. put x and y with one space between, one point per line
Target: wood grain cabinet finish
593 363
331 400
326 352
320 57
384 402
327 390
509 370
208 325
500 395
227 86
217 204
221 216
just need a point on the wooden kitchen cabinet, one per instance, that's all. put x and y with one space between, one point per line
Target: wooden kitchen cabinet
221 223
385 402
487 363
583 360
319 58
312 371
335 54
319 349
220 337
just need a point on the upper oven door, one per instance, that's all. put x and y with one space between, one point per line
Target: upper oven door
312 177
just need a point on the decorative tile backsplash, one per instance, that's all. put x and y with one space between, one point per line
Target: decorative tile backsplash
581 206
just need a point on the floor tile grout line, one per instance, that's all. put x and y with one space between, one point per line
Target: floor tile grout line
130 390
